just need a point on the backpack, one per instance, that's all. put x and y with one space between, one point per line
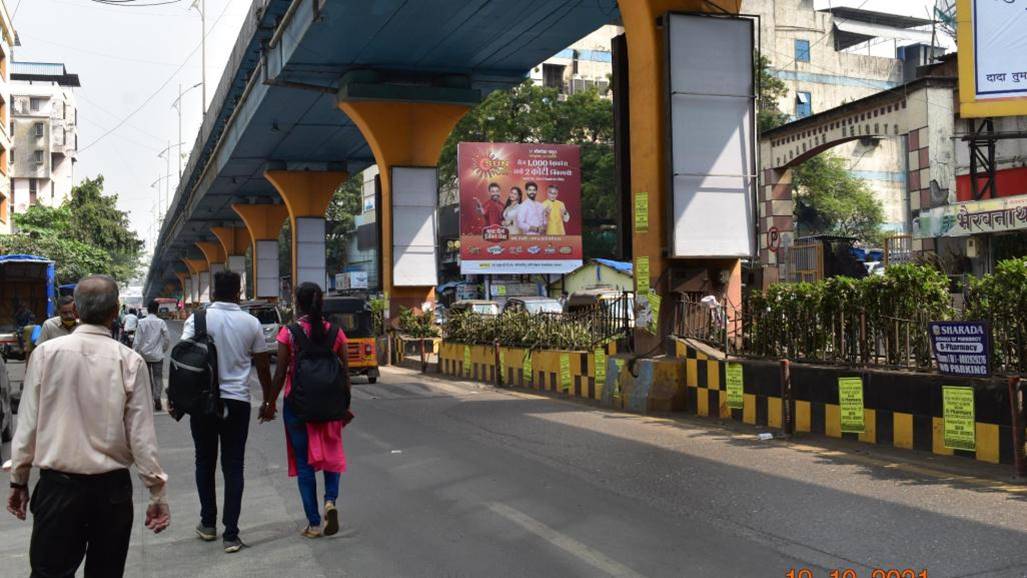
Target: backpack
193 383
320 388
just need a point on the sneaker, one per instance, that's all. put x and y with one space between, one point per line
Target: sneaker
233 545
206 533
331 519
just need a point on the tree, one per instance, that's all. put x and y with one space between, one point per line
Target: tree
829 200
771 89
87 234
529 113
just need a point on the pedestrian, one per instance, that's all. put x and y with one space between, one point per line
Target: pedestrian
152 342
85 418
128 327
62 324
310 446
240 344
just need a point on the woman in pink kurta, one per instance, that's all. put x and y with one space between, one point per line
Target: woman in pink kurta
311 447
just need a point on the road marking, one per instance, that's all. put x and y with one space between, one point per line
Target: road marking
588 555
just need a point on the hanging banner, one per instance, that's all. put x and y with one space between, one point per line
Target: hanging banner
520 208
565 372
850 401
599 359
959 416
733 376
641 212
992 57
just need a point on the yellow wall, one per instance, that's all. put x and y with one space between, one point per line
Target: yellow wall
585 277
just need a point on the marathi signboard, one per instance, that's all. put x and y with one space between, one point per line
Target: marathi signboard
520 208
961 347
992 57
972 218
958 413
850 402
735 381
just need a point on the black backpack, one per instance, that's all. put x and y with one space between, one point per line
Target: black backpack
193 386
320 388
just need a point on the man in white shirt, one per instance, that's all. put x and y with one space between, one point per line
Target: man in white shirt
531 218
152 340
85 418
240 345
128 326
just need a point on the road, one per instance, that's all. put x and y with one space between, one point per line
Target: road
452 479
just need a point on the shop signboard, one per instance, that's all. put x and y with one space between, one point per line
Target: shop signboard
972 218
961 347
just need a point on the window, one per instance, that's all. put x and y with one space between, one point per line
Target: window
38 129
35 104
37 157
552 76
32 192
803 105
801 50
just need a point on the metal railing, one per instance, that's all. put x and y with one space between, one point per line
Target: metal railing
806 262
898 249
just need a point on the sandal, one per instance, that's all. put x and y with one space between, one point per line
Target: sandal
311 532
331 519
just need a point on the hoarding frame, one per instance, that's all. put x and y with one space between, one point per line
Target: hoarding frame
754 164
969 105
405 280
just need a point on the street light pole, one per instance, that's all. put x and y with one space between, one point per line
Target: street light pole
201 6
177 105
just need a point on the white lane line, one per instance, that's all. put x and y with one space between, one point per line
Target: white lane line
588 555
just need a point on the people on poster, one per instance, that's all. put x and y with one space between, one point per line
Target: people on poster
513 206
531 218
555 212
492 211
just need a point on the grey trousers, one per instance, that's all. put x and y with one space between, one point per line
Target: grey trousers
156 380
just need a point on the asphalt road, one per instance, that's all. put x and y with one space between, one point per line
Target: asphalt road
448 479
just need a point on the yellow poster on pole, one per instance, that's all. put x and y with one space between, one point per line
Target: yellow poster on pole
565 372
850 402
526 367
654 306
735 385
642 275
467 360
599 357
959 416
641 212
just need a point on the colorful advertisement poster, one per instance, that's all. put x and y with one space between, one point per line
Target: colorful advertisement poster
958 413
520 208
735 385
850 402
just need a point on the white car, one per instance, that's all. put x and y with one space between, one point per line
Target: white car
270 320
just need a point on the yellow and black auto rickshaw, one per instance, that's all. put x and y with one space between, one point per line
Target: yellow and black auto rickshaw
352 313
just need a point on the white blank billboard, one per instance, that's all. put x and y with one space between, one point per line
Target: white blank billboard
712 107
310 251
414 191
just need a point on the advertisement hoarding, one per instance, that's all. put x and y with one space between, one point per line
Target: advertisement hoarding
992 57
503 230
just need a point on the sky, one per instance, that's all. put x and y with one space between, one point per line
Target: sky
123 56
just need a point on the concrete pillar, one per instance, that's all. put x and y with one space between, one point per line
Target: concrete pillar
201 279
649 135
183 284
234 242
264 223
402 134
215 256
307 195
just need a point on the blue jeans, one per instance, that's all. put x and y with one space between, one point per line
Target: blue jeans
307 477
231 432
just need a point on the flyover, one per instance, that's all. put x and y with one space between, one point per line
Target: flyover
316 90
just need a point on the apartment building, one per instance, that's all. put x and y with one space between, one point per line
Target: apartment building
6 56
44 127
586 64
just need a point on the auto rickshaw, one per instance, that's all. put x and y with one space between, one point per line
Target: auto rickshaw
352 314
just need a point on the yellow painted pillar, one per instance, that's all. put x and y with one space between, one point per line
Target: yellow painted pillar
307 195
201 279
215 256
234 242
264 223
649 134
407 134
183 282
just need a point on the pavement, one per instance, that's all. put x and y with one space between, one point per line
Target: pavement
450 478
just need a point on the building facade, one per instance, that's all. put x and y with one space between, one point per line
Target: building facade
827 58
44 127
6 57
584 65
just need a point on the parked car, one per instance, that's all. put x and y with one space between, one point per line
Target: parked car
476 306
6 409
270 320
533 305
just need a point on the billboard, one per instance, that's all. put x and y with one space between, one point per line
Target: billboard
520 208
712 122
992 57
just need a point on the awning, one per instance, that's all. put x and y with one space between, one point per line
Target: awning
850 33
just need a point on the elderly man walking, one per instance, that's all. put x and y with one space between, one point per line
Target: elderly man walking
152 341
63 324
86 416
